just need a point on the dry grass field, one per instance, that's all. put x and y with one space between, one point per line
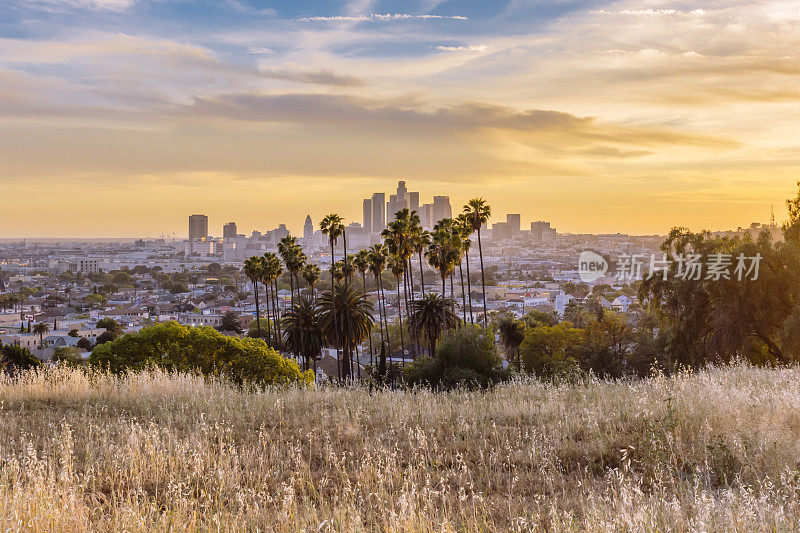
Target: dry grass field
718 450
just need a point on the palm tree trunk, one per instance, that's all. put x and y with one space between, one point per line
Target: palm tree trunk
335 320
349 349
400 320
385 317
371 353
269 325
421 273
277 312
258 313
469 288
444 300
483 279
463 298
411 282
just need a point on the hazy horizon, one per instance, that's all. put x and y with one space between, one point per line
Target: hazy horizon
122 117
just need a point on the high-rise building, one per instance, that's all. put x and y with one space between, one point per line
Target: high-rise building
367 215
229 230
501 231
513 220
426 215
308 228
538 228
378 212
198 227
413 201
441 209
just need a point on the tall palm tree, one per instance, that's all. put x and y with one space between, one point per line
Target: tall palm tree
426 318
466 232
443 253
294 259
274 271
377 264
253 269
512 332
345 315
40 329
311 274
422 239
302 332
361 263
478 213
332 226
398 268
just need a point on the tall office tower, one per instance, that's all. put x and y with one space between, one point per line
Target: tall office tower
367 215
397 202
426 215
538 228
441 209
501 231
229 230
198 227
378 212
413 201
308 228
513 220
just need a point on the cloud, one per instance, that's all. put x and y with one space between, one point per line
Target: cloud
60 5
473 48
320 77
381 17
258 50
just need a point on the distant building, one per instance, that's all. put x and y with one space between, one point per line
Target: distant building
378 212
86 265
413 201
538 228
426 215
501 231
229 230
308 228
367 215
513 220
198 227
441 209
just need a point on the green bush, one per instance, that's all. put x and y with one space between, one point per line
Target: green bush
174 347
464 357
14 358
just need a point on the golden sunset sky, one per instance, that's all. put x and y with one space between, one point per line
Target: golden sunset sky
122 117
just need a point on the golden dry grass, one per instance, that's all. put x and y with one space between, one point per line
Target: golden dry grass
718 450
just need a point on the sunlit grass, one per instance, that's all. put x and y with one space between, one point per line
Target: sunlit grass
709 451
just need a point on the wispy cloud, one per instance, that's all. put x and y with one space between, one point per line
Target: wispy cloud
472 48
60 5
381 17
258 50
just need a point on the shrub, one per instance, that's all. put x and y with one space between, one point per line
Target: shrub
14 358
464 357
68 356
179 348
551 351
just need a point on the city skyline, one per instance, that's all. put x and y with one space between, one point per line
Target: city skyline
118 115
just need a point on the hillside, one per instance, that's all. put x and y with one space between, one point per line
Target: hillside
708 451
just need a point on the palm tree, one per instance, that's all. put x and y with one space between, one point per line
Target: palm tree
40 329
377 263
512 332
466 231
398 268
442 253
333 227
302 332
361 263
398 240
294 259
345 315
426 318
253 269
422 239
273 271
311 275
478 213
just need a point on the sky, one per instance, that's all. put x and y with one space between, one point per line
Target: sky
119 118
